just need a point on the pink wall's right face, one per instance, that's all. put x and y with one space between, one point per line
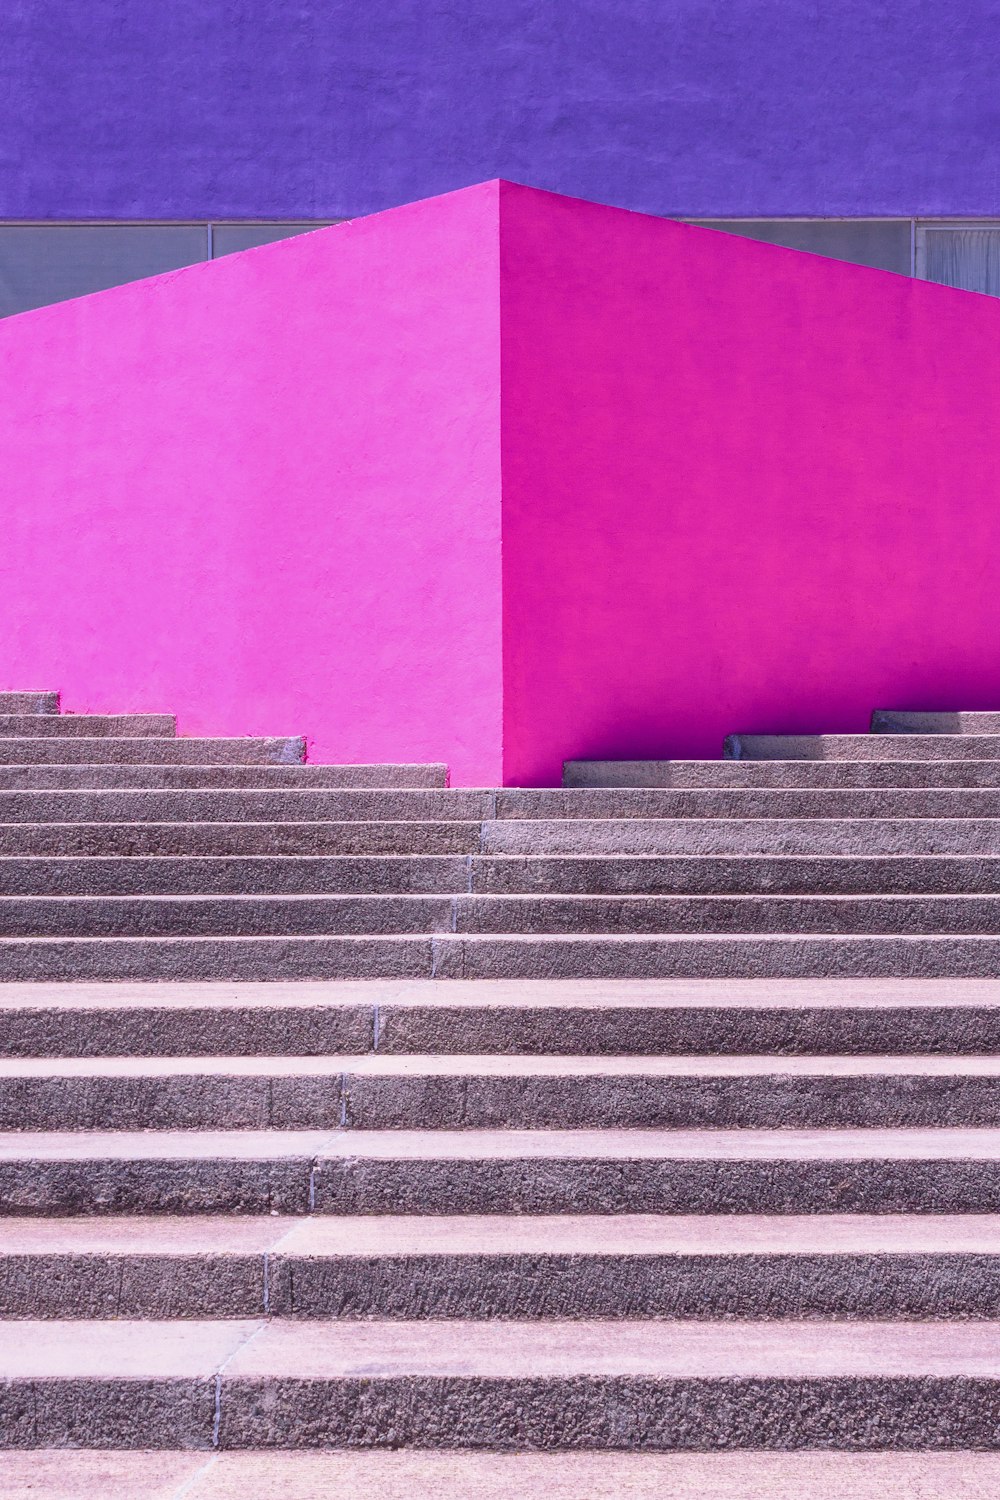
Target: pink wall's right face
743 489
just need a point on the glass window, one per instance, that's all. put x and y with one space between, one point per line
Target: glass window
883 243
229 237
966 256
51 262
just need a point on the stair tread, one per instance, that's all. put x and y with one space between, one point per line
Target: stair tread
68 1474
302 1350
615 1144
486 994
500 1065
696 1235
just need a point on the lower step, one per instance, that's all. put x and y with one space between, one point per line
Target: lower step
523 1266
454 1092
501 1171
649 1386
67 1474
443 957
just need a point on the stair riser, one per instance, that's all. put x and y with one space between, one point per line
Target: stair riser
319 958
191 876
495 875
928 802
782 774
822 875
882 747
292 916
137 750
283 777
747 838
459 1186
183 1102
255 839
633 1413
377 804
500 1286
896 721
88 726
268 806
307 1030
29 703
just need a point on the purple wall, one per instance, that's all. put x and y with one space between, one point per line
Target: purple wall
335 108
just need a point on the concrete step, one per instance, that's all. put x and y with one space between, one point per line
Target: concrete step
583 875
862 747
135 749
387 804
809 837
619 1017
607 1171
109 839
298 1474
259 916
899 1266
497 875
728 802
29 703
899 721
743 956
646 1386
746 836
276 777
284 874
86 725
780 773
306 805
493 1092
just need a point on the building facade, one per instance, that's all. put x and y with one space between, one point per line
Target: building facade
138 138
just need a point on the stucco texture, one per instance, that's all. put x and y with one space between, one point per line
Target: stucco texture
326 109
502 479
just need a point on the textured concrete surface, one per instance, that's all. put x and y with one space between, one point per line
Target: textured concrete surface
278 875
862 747
665 875
469 1171
239 838
301 805
641 802
545 914
81 1475
575 1017
743 836
531 1267
502 957
780 773
61 726
495 1091
250 1172
895 721
29 703
152 750
177 775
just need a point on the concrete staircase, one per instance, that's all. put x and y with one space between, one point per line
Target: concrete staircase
711 1233
128 853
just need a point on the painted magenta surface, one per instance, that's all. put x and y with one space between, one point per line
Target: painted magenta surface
505 478
336 108
744 489
266 492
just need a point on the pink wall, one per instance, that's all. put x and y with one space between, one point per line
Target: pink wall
265 492
744 489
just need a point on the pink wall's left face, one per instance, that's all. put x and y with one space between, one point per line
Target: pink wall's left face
265 492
